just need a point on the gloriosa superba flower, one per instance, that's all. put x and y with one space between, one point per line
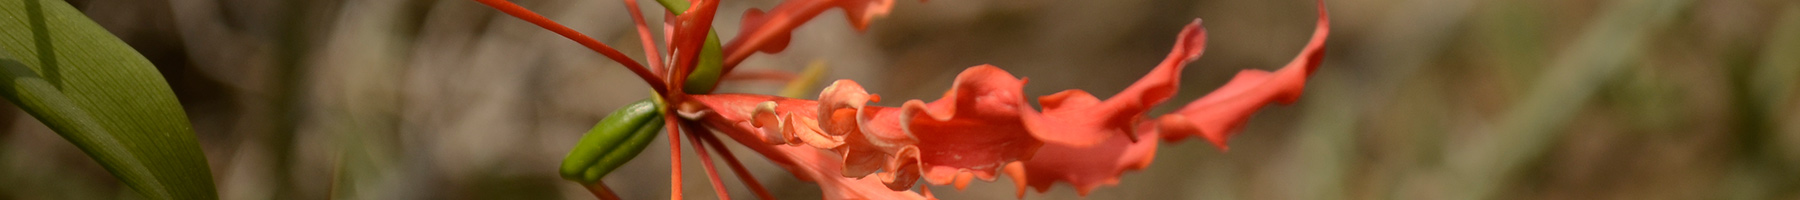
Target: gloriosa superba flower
981 128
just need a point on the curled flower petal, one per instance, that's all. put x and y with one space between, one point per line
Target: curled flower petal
1220 114
975 129
982 123
1086 168
789 129
1074 117
765 114
731 113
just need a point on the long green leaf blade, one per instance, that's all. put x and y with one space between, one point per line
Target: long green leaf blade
98 93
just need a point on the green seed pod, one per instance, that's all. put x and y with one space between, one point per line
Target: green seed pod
615 140
711 63
624 152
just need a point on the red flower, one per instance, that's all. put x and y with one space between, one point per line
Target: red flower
981 127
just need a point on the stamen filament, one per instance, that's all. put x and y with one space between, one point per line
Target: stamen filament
650 52
524 14
674 153
712 174
743 46
601 191
736 167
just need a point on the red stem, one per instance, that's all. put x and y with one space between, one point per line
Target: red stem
520 12
736 168
712 174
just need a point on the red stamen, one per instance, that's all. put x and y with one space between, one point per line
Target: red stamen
712 174
601 191
637 17
669 38
737 168
520 12
739 49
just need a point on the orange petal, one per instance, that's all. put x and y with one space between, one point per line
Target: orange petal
730 113
1086 168
1220 114
982 123
1076 118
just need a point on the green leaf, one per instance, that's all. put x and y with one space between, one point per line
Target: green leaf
101 95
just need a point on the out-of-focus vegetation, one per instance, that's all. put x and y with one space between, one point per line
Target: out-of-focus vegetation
1417 99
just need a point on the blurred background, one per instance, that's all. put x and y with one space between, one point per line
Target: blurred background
1416 99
